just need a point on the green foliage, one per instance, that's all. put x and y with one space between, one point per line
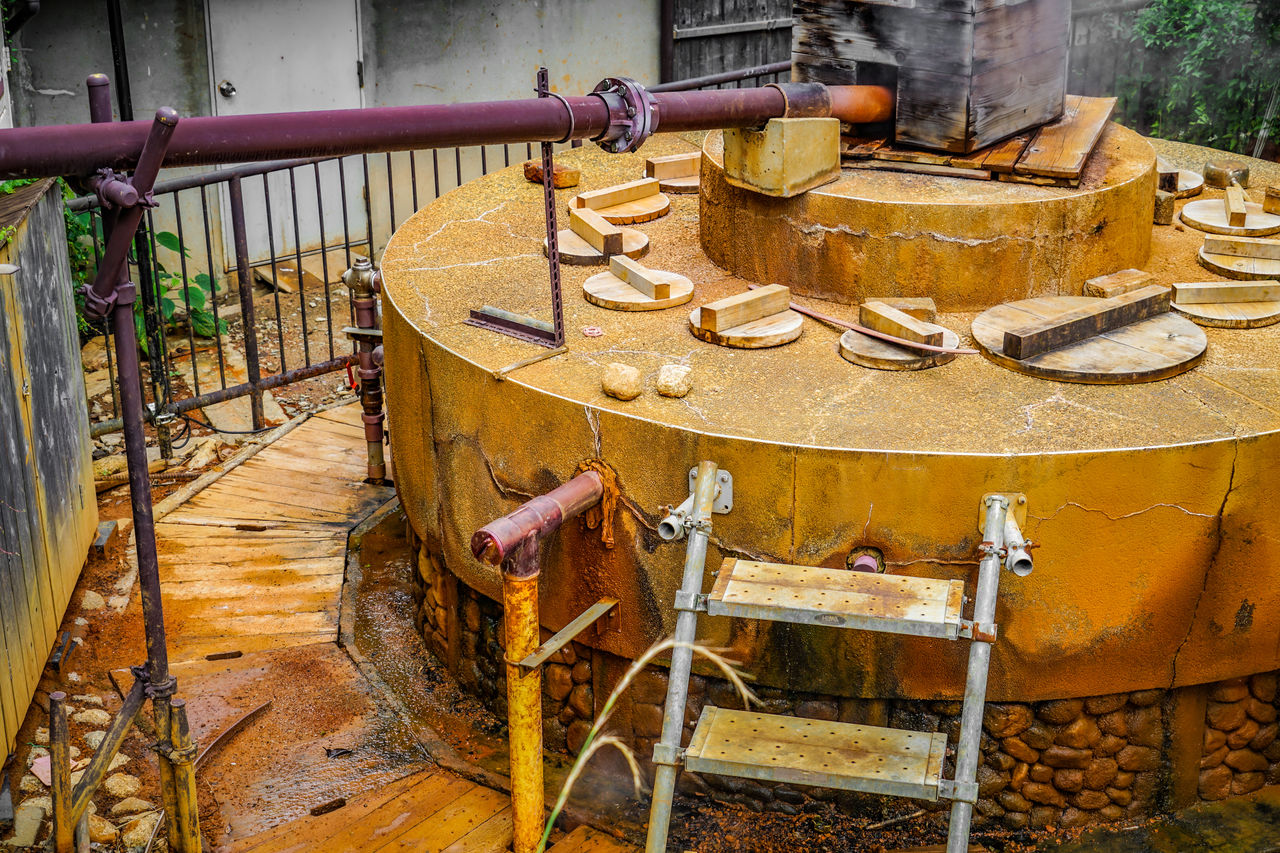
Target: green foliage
173 290
1221 63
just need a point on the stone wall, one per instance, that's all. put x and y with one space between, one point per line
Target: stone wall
1065 763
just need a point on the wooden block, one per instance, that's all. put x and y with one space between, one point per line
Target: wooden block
1125 281
1060 149
561 176
1205 292
604 236
1083 323
789 157
640 277
619 194
1237 213
673 165
724 314
920 307
1164 208
1166 176
1271 200
1242 247
882 318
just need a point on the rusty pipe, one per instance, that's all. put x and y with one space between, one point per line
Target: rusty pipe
216 140
520 625
361 280
499 539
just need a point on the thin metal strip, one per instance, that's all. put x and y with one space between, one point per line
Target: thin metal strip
764 24
568 633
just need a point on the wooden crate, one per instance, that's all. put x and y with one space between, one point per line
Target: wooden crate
968 73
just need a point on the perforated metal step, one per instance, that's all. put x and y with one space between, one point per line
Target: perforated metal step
839 598
814 752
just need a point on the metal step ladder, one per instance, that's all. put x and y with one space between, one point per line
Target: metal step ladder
798 751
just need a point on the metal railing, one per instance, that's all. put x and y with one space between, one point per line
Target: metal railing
256 341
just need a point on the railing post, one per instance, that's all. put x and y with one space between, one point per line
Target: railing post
60 774
235 193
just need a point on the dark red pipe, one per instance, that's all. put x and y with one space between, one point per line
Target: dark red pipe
536 517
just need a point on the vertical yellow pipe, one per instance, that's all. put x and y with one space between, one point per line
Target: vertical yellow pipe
524 709
186 822
160 707
60 771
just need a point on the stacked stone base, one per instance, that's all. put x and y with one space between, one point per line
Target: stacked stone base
1064 763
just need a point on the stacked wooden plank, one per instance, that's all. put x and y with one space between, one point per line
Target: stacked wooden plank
1053 155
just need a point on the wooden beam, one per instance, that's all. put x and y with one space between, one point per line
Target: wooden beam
1271 200
673 165
1060 149
619 194
603 235
640 277
1056 332
1242 247
1207 292
1125 281
1237 213
920 307
882 318
733 311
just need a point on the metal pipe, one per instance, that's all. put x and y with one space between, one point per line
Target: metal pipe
184 826
672 526
499 539
99 89
120 59
666 753
248 313
524 701
723 77
215 140
862 104
667 40
1018 557
22 12
364 305
975 688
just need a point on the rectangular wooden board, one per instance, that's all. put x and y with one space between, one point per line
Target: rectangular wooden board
1271 200
673 165
640 277
1207 292
1060 149
922 169
920 307
891 321
619 194
1117 283
1056 332
603 235
1237 213
724 314
1242 247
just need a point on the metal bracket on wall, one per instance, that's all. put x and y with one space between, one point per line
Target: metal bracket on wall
1017 508
569 632
724 490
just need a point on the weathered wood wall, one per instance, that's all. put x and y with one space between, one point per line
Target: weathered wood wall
744 33
48 513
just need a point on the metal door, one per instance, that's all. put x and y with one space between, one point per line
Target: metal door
290 56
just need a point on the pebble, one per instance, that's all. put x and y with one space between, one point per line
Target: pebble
120 760
89 699
92 601
93 740
27 820
92 717
42 735
675 380
101 830
131 806
137 832
621 381
121 785
29 784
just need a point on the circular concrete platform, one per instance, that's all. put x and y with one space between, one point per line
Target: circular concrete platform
967 243
1153 504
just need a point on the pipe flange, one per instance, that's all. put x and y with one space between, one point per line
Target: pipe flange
633 114
804 100
97 306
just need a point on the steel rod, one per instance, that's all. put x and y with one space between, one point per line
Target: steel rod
248 320
667 750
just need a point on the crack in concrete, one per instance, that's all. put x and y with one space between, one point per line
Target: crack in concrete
1208 570
815 228
1110 517
593 421
472 263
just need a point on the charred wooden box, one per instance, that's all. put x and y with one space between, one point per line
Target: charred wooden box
968 73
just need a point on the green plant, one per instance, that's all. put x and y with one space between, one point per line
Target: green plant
172 290
1222 61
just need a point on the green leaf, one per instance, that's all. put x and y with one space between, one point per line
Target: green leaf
196 296
171 242
167 307
202 323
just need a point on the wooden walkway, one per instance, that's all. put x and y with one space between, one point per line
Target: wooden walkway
255 561
431 812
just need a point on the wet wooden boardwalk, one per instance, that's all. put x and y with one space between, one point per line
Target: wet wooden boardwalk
255 561
430 812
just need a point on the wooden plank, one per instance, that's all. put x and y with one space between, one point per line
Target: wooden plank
1117 283
492 836
616 195
586 839
450 823
200 648
1234 204
1271 200
921 307
673 165
923 169
880 317
1082 323
1225 291
419 807
1242 247
647 281
742 308
1060 149
601 234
